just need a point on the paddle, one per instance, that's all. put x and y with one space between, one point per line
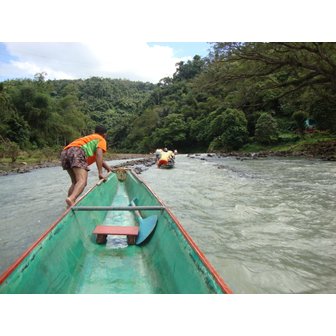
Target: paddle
146 226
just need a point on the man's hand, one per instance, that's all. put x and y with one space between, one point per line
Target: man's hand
102 177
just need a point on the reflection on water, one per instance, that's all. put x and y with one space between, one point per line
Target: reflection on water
267 225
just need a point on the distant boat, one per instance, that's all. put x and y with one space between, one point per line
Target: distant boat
166 159
118 238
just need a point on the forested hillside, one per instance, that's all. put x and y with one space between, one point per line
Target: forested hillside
240 95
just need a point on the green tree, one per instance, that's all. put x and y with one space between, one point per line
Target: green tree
12 125
9 149
6 111
185 71
18 130
172 133
67 121
142 128
278 77
292 65
266 129
300 117
232 125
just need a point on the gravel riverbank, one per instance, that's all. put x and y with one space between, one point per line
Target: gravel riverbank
322 150
139 162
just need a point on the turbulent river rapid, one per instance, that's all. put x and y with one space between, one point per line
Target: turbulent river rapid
266 225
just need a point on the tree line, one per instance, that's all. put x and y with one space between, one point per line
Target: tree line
240 94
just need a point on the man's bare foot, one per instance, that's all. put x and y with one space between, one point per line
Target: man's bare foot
69 202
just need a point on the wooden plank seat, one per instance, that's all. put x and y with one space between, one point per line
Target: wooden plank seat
102 231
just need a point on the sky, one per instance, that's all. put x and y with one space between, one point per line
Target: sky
136 60
71 39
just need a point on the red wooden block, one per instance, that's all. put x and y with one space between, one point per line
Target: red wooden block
117 230
102 231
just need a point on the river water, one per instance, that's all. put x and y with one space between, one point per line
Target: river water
266 225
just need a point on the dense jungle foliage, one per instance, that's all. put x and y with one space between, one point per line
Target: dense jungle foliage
239 95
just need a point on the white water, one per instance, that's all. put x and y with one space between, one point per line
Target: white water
266 225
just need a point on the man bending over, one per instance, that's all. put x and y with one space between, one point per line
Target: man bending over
78 155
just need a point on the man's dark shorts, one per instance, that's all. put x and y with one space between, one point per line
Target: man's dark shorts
74 157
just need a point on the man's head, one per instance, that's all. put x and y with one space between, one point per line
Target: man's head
101 130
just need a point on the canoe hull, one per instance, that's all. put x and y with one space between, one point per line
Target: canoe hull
67 259
166 165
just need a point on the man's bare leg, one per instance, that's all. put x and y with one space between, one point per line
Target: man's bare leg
73 181
81 176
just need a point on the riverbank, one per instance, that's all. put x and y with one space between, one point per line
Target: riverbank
139 161
323 150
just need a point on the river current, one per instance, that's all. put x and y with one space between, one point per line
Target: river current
266 225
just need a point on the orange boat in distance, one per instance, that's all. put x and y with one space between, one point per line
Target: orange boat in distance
165 158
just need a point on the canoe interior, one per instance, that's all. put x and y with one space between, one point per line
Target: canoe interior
68 259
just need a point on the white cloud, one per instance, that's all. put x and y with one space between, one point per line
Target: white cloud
130 60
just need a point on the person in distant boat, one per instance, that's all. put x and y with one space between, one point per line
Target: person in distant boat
171 157
166 157
158 154
78 155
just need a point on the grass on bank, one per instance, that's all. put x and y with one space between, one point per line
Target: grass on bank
45 156
289 142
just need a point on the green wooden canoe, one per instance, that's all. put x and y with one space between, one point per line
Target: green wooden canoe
68 259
